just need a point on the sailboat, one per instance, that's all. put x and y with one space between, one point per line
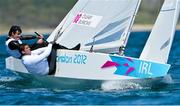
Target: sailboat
101 30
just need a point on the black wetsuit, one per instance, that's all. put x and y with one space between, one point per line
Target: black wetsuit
14 44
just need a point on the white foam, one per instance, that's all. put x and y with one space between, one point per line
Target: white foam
167 79
7 79
119 85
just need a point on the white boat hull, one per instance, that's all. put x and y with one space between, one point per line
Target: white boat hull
84 70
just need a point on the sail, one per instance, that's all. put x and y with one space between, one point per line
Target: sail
105 24
160 40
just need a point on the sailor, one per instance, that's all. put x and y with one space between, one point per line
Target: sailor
39 61
14 38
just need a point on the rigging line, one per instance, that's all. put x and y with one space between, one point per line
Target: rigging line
91 49
131 23
60 32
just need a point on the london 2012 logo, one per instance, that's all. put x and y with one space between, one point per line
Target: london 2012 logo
126 64
130 67
72 59
87 19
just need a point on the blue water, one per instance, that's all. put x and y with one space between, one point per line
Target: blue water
17 90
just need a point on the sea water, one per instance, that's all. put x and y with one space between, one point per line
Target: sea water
16 90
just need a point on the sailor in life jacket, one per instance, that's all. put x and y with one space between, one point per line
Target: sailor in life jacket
14 38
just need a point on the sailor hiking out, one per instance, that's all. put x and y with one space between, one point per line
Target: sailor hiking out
41 61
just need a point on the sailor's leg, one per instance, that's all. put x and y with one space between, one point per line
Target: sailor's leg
52 57
52 61
77 47
57 46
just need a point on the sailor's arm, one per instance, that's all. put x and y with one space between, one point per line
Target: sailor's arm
39 50
27 37
13 45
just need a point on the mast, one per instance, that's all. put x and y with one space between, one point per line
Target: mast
126 36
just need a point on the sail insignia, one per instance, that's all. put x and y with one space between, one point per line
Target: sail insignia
85 19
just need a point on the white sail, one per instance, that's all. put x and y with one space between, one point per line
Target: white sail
160 40
102 23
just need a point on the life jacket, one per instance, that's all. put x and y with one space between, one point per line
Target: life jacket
15 53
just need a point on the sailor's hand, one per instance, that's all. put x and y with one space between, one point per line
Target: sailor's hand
40 36
40 41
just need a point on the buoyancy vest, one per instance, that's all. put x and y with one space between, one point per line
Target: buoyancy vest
15 53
